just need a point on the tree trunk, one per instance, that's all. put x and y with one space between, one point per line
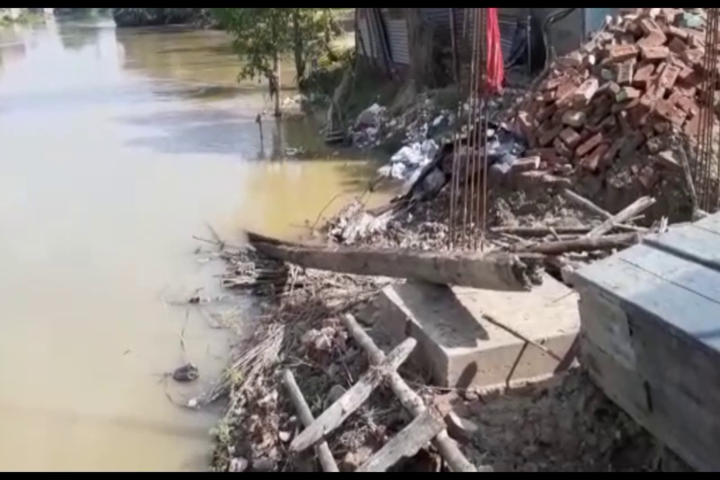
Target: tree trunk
420 45
276 71
492 271
298 48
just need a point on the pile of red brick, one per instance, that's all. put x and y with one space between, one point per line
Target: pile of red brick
609 109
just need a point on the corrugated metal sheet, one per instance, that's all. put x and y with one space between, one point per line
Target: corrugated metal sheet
369 40
397 33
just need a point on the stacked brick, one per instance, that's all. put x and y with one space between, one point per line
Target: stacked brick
620 98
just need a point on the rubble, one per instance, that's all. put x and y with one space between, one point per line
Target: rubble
612 114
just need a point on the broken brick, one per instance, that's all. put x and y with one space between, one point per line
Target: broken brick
670 112
569 137
667 159
656 39
589 144
609 157
692 126
643 74
561 148
650 26
677 32
549 135
574 118
526 164
592 162
654 53
627 93
678 46
585 92
685 103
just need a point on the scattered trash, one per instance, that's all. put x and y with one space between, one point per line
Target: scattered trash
186 373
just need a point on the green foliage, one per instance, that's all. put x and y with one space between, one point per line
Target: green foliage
262 35
135 17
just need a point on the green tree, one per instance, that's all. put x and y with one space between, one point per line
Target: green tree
262 35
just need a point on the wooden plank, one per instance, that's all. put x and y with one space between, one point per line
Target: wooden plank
323 452
492 271
638 206
406 443
654 408
410 400
351 400
583 244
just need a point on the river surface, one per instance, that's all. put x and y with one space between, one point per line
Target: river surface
116 147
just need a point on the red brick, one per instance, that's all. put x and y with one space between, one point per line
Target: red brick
545 113
549 135
653 40
623 106
622 53
685 103
627 93
569 137
693 57
561 148
677 32
643 74
669 76
592 162
670 112
553 83
654 53
692 126
589 144
585 92
565 91
574 118
678 46
650 26
547 154
661 128
526 164
609 156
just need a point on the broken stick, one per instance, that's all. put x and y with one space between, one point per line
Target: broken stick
408 398
351 400
323 450
406 443
639 205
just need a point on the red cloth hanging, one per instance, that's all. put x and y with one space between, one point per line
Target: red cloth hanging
495 67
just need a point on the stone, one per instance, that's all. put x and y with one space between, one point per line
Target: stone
459 428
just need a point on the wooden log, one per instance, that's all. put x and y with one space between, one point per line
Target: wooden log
351 400
491 271
639 205
541 231
410 400
584 244
406 443
322 450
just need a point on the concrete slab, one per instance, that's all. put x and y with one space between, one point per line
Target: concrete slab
462 348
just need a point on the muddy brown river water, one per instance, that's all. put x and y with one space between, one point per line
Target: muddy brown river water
116 146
